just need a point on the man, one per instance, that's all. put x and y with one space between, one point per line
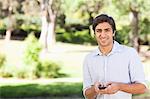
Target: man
112 71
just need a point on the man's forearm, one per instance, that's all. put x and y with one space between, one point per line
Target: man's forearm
90 93
135 88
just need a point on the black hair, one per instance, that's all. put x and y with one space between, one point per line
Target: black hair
104 18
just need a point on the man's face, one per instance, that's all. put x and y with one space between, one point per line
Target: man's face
104 34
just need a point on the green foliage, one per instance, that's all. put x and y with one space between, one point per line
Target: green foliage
122 35
145 30
80 11
6 71
21 72
49 69
31 56
79 37
2 25
21 22
30 24
32 66
32 50
144 26
2 60
35 67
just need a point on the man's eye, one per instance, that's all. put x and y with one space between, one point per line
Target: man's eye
99 31
106 30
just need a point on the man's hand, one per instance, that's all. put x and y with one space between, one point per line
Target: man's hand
114 87
111 88
97 90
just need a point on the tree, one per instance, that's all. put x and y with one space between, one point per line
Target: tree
134 39
134 8
49 9
91 8
8 10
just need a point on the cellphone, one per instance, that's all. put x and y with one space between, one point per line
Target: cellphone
101 87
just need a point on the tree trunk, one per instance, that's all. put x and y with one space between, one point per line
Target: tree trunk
134 39
44 33
51 37
47 37
8 35
11 24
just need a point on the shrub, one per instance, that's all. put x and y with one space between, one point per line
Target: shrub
2 59
31 55
32 50
34 67
49 69
21 72
122 35
79 37
6 71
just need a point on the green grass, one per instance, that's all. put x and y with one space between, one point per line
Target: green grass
59 89
41 90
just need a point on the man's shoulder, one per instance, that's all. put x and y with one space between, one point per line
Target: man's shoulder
92 53
123 48
128 49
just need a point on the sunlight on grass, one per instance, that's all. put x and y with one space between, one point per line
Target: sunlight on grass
69 56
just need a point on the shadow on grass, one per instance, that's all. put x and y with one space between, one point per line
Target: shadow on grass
37 90
65 90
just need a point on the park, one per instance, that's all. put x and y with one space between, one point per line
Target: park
43 44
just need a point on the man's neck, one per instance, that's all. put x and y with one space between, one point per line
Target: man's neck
106 50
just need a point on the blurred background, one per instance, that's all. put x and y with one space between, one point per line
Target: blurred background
43 43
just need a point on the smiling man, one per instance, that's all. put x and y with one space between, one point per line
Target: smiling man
112 71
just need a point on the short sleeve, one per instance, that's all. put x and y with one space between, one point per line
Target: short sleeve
87 81
136 69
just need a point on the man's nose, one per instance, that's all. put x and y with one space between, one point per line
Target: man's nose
103 34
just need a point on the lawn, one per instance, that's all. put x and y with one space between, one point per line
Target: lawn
45 89
35 89
70 56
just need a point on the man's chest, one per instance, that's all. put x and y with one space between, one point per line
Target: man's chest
109 68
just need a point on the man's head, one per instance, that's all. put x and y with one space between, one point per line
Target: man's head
104 18
104 29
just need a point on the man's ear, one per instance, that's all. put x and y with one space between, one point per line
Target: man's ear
114 33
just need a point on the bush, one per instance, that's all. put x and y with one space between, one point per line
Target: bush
32 50
31 55
122 35
78 37
6 71
49 69
2 59
34 67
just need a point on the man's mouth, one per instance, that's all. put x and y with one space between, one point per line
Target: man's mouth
103 40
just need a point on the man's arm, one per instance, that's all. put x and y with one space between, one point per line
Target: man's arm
90 93
93 91
113 87
135 88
